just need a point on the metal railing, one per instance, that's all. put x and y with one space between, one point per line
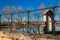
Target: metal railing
23 18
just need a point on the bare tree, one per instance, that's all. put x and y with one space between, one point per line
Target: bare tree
7 12
59 10
7 15
18 18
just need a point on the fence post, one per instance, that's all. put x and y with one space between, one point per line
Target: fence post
28 18
0 19
11 21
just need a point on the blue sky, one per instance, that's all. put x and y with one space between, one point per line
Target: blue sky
28 4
